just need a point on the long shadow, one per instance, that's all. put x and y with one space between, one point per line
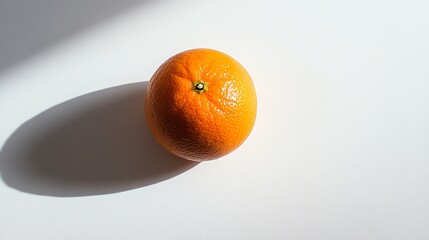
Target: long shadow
94 144
27 27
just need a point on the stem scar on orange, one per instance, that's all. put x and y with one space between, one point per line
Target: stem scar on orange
200 104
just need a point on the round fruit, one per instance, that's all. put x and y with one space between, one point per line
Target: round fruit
200 104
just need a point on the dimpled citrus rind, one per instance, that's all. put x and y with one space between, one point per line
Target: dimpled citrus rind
201 126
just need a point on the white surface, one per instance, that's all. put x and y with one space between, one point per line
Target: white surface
339 149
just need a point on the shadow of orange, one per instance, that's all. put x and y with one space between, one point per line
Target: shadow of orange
97 143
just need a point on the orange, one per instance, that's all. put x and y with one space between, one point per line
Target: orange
200 104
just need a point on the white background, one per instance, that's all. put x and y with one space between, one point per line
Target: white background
340 148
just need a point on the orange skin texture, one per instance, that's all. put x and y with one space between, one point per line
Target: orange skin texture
201 126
